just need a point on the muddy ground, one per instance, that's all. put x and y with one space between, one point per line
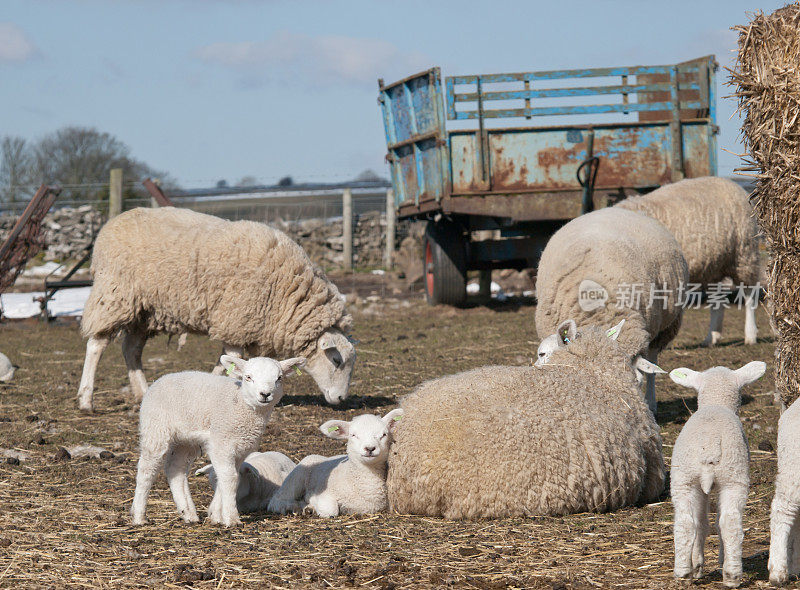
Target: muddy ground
64 521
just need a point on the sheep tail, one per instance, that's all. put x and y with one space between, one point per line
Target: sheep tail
710 457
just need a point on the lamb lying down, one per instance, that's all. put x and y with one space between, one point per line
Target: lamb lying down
354 483
260 475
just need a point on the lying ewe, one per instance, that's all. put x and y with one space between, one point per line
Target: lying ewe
714 224
784 525
622 255
572 436
354 483
260 475
7 368
711 454
242 283
184 412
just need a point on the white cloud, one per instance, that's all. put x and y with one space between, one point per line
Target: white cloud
309 60
14 44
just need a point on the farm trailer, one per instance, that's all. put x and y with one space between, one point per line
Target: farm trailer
523 182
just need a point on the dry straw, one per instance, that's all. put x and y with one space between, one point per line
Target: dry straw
767 82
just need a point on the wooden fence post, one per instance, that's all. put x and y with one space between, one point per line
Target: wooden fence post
347 228
115 193
388 257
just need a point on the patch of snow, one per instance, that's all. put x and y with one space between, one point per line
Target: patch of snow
68 302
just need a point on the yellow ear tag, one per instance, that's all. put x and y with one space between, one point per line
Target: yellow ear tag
397 418
679 375
297 370
611 332
333 428
230 369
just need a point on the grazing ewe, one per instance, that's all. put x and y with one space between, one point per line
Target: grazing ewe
784 524
7 369
572 436
629 259
182 413
711 454
260 475
714 224
242 283
354 483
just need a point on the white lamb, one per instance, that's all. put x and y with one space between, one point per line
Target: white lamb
784 525
711 454
184 412
7 368
260 475
354 483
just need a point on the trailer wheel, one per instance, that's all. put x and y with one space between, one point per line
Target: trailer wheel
445 264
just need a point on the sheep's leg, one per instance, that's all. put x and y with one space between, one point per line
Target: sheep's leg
236 351
685 532
225 512
290 496
794 548
750 305
715 326
176 470
700 516
94 350
147 470
325 505
781 524
732 500
132 347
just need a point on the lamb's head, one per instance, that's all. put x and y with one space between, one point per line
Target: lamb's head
719 386
565 333
331 364
261 378
368 436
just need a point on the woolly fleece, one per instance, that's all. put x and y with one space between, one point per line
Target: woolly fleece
572 436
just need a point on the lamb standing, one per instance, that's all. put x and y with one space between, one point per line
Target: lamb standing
714 224
354 483
572 436
242 283
184 412
633 262
260 475
711 454
784 524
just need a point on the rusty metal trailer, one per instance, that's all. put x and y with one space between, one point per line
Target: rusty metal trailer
657 124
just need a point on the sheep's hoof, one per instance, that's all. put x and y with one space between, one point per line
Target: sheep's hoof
731 580
778 578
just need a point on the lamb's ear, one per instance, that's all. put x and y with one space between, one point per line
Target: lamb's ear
686 377
233 365
613 332
392 418
291 364
338 429
645 366
326 341
750 372
566 331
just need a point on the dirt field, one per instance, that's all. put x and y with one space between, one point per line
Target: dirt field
64 521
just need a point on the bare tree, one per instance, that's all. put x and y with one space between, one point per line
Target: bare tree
15 169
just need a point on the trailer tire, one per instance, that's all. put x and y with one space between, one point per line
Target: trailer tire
445 264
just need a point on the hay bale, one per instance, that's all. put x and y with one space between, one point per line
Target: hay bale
767 81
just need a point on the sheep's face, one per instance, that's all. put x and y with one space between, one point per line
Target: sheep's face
368 436
261 378
566 332
331 365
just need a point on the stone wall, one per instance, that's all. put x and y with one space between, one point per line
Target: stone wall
68 231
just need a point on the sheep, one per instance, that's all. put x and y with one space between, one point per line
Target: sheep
182 413
354 483
714 224
592 270
242 283
784 525
7 369
711 454
260 475
500 441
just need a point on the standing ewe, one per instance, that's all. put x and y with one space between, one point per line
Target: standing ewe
184 412
354 483
714 224
784 524
572 436
260 475
242 283
633 261
711 453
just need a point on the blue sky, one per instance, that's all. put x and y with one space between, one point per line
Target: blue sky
212 89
